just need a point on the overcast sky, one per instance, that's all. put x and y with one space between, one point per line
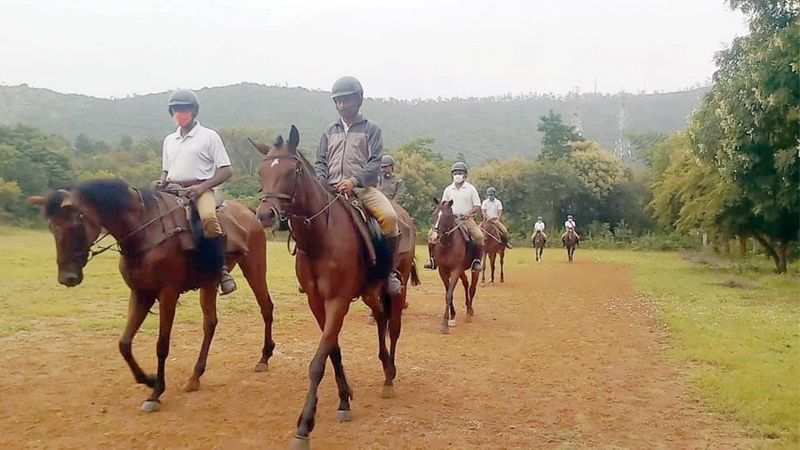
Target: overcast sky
403 48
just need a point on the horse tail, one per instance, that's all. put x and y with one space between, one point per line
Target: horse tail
414 275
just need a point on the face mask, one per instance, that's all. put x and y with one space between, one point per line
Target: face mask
491 197
458 178
183 118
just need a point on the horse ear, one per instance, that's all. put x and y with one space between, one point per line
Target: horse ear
262 148
279 141
67 201
450 202
294 138
435 201
37 200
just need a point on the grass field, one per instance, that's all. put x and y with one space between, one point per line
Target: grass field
736 327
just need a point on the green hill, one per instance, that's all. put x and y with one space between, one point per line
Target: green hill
481 128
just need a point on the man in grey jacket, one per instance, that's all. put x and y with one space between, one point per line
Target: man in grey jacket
349 159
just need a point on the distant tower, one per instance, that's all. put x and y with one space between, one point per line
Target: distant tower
622 146
575 105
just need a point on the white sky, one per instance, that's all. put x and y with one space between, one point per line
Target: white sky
402 48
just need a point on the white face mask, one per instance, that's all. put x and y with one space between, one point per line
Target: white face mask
458 178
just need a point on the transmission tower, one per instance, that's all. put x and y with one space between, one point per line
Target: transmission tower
622 146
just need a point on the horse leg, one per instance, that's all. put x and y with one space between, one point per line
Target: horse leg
334 312
166 315
449 286
395 324
345 392
381 320
208 303
483 268
502 274
138 306
471 294
492 257
254 269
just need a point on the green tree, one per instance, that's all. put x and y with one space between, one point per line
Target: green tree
556 136
425 173
748 127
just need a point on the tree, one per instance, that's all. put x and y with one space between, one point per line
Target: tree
556 136
425 173
748 127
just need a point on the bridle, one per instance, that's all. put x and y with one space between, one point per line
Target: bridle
274 199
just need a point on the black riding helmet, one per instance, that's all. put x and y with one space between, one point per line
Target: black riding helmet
183 99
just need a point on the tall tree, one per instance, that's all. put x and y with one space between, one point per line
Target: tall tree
556 136
748 127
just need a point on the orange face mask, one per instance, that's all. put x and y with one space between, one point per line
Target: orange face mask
183 118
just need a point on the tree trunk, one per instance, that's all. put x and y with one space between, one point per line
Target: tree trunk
783 255
771 252
742 245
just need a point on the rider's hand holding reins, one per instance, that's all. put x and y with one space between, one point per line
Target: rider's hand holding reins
346 186
195 191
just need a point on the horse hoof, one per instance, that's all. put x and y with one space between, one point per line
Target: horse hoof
150 406
451 323
344 416
444 329
261 367
299 443
191 385
387 392
468 318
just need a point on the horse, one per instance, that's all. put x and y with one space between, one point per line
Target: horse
453 258
332 267
570 242
494 246
538 244
150 229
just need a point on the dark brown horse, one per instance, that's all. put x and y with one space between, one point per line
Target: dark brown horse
149 228
332 268
539 242
453 259
570 242
494 246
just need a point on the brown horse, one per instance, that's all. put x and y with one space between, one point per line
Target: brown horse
453 259
149 228
332 267
494 247
539 242
570 242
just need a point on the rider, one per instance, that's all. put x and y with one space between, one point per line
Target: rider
466 203
195 158
349 158
569 225
392 186
538 227
492 210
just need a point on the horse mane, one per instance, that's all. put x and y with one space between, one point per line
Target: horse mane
110 198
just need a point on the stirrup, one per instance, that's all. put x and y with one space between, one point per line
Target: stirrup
227 284
476 265
393 284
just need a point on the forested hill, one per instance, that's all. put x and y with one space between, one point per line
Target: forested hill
482 129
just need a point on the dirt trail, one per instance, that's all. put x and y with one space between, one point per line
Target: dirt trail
560 356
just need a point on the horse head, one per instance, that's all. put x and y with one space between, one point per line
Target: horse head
446 221
279 173
74 233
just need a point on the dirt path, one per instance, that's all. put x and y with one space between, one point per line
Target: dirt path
560 356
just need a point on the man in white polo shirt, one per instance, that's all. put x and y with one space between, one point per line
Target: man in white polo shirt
466 203
492 210
195 158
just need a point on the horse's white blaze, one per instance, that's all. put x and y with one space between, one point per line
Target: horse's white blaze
274 162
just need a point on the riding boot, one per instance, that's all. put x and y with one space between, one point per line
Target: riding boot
226 282
477 253
431 264
393 284
505 242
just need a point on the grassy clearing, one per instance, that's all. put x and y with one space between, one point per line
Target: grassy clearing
737 325
33 300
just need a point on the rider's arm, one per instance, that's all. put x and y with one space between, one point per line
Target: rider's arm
476 203
222 175
372 168
321 164
401 192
